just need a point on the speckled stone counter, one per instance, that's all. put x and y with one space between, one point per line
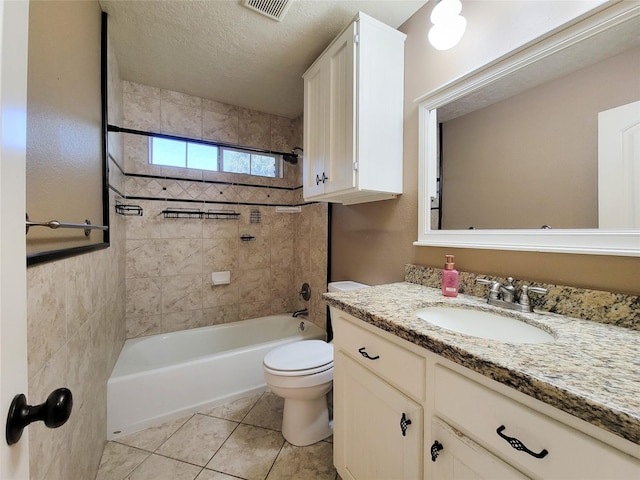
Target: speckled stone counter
591 371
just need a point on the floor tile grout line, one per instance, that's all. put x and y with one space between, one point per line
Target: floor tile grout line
275 460
222 444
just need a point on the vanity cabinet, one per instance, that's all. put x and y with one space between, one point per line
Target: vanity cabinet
353 116
474 427
378 421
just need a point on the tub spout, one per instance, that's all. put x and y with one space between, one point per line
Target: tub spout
304 311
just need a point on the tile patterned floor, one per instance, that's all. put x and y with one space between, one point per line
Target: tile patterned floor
239 440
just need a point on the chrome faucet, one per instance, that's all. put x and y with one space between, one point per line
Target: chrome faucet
505 295
304 311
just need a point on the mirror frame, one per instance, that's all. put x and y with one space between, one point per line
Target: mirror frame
623 242
59 254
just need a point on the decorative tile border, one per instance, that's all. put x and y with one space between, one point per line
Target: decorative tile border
599 306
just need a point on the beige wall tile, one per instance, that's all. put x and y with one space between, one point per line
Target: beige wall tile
180 98
141 326
143 258
172 322
181 293
144 296
181 119
46 313
220 127
219 295
141 113
220 254
222 314
142 90
181 256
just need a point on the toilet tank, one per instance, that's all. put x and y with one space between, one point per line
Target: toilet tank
345 286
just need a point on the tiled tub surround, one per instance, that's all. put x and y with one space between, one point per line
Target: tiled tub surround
591 371
598 306
169 265
169 261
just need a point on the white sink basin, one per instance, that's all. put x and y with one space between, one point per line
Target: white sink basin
482 324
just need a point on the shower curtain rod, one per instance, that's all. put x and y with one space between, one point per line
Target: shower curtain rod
114 128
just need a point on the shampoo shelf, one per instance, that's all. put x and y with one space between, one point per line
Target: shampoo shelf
222 215
195 213
129 210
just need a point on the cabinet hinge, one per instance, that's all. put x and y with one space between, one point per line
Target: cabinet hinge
355 165
356 38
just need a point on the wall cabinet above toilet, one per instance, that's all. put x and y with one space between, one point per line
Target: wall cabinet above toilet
353 116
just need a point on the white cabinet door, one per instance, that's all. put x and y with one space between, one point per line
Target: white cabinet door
329 119
459 458
341 65
369 442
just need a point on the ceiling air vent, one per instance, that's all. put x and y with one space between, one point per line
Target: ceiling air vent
274 9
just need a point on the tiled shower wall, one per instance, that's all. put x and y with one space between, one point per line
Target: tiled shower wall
170 261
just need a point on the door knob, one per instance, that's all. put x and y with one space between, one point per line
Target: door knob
54 413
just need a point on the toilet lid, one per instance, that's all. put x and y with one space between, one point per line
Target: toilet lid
303 355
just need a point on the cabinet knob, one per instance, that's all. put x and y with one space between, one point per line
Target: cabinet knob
404 423
518 445
319 180
436 448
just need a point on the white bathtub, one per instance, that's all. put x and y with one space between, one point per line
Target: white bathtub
161 377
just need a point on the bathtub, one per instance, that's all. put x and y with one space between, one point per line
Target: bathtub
162 377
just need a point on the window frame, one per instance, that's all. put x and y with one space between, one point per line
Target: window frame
219 163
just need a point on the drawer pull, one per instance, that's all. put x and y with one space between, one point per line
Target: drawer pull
366 355
518 445
436 448
404 423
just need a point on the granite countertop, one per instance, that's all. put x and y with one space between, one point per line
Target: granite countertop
591 371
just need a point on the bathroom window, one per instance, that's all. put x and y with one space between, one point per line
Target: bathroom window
184 154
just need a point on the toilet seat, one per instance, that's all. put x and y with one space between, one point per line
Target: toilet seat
300 358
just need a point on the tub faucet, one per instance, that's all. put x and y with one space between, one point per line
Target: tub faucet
505 295
304 311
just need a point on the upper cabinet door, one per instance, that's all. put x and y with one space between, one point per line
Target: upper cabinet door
341 65
316 140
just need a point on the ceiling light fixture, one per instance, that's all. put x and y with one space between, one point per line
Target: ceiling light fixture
448 24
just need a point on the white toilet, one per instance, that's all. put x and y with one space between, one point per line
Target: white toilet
302 374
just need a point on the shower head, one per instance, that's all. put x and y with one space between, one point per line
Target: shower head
292 157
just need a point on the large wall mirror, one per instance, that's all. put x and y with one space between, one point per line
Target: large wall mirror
66 148
540 151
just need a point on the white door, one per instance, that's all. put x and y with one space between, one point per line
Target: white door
619 167
14 19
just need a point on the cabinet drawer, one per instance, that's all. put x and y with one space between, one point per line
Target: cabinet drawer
400 367
480 412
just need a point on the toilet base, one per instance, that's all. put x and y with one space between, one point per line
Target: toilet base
305 421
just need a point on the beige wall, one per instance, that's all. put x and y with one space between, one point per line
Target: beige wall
532 159
371 243
75 311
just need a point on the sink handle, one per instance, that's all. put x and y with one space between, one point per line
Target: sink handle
495 287
524 296
518 445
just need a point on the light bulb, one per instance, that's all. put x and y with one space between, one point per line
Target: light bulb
445 35
444 10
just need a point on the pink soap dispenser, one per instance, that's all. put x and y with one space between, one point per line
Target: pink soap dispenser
449 278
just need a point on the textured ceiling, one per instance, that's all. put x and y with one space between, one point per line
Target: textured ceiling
221 50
